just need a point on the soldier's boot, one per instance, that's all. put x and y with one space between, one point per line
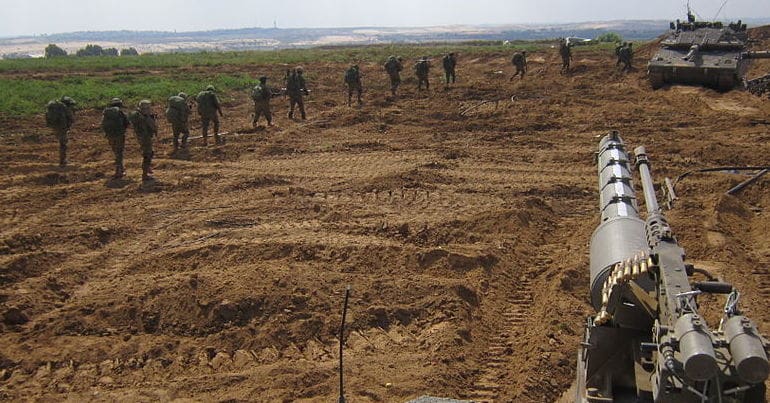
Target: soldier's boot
119 171
184 140
176 142
62 155
219 140
147 169
360 101
350 97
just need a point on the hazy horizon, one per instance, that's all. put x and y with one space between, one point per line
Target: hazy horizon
41 17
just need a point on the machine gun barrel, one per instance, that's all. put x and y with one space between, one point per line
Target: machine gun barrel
643 163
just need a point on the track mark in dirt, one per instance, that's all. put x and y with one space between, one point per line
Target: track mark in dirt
762 276
500 352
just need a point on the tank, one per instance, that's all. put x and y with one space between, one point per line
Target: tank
702 53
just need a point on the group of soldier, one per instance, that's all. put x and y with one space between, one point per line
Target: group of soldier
115 122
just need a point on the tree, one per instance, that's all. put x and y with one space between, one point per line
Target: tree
90 50
54 51
129 52
609 37
110 52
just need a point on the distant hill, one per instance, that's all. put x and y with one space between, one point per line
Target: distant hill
277 38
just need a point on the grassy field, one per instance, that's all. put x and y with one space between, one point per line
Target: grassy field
26 96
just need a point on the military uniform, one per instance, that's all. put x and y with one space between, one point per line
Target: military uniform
295 88
353 81
261 95
114 124
422 71
60 116
565 51
208 107
450 62
145 127
393 67
178 115
626 56
519 61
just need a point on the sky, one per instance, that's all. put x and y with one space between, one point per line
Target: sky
33 17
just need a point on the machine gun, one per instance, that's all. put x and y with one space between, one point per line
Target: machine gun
647 341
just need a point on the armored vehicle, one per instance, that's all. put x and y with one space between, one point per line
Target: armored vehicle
702 53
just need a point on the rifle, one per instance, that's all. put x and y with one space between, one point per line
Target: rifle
647 341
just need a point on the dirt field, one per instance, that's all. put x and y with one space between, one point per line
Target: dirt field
460 217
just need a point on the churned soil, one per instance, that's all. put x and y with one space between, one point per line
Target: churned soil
459 217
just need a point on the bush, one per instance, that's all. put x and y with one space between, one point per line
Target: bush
110 52
610 37
54 51
90 50
129 52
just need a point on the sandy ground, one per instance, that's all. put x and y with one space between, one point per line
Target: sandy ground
461 225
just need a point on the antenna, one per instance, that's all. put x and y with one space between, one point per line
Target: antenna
720 10
342 343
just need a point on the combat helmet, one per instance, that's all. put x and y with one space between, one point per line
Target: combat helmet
182 95
68 101
116 102
144 104
211 88
299 69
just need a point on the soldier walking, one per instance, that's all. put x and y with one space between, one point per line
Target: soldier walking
261 95
208 107
450 62
393 67
178 115
626 56
59 116
617 53
145 127
114 124
295 89
565 51
353 81
422 71
519 61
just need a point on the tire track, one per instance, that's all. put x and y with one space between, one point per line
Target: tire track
500 352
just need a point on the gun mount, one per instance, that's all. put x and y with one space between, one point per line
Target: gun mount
702 53
647 341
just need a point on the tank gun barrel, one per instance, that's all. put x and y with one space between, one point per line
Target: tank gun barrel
760 54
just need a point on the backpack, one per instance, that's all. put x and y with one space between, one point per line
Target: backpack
422 68
177 110
206 102
113 121
260 93
56 115
351 76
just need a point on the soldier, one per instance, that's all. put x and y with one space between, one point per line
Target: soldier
59 116
519 61
145 127
450 62
178 114
422 70
295 88
626 56
261 95
618 48
114 124
353 81
565 51
393 67
208 107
